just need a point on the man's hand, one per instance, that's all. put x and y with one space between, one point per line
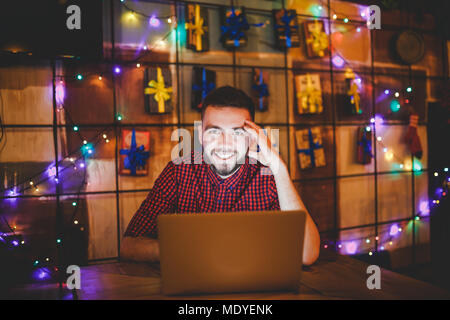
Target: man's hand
140 249
267 154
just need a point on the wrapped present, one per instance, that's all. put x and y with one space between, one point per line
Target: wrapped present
310 148
309 94
134 152
260 89
233 27
412 138
158 90
196 28
364 145
286 28
203 82
317 43
354 100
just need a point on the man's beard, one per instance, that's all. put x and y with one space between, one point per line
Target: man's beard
224 167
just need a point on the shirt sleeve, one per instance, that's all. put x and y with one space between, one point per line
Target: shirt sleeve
161 199
275 203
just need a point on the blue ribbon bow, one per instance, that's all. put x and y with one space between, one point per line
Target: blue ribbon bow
286 26
312 146
262 90
367 145
205 87
135 157
234 27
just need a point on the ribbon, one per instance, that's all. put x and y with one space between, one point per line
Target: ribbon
262 90
353 91
205 87
135 157
311 98
197 28
354 97
312 146
286 26
161 93
366 144
318 39
234 26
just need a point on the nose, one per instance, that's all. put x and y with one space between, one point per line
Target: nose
226 139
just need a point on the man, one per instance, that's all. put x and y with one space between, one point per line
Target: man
221 178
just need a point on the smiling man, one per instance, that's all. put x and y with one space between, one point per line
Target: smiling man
223 177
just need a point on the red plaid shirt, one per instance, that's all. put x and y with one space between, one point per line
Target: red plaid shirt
184 188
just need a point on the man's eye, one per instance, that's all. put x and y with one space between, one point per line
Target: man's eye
213 131
239 132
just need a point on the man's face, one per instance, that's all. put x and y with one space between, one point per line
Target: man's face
224 140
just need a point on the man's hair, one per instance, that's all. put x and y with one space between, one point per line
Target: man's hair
228 97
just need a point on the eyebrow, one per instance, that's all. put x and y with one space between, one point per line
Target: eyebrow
216 127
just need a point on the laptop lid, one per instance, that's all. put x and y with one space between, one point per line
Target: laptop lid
231 252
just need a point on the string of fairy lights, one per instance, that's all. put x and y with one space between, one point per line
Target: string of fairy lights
79 157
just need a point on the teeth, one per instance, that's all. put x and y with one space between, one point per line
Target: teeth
224 155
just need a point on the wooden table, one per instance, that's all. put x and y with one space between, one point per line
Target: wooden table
332 277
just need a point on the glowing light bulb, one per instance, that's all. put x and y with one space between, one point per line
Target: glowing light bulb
345 20
154 21
334 16
138 65
393 231
389 155
79 76
386 91
75 128
104 136
367 240
396 94
379 138
409 89
100 78
75 222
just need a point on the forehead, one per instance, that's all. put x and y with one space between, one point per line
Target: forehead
225 117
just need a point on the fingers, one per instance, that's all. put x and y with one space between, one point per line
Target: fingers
252 125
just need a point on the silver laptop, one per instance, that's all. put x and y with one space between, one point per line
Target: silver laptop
231 252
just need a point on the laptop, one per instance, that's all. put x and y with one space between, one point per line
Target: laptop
231 252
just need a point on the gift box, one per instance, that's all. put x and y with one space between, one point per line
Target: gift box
260 89
309 147
317 43
364 145
204 81
309 94
233 26
158 90
286 28
134 152
353 97
197 28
